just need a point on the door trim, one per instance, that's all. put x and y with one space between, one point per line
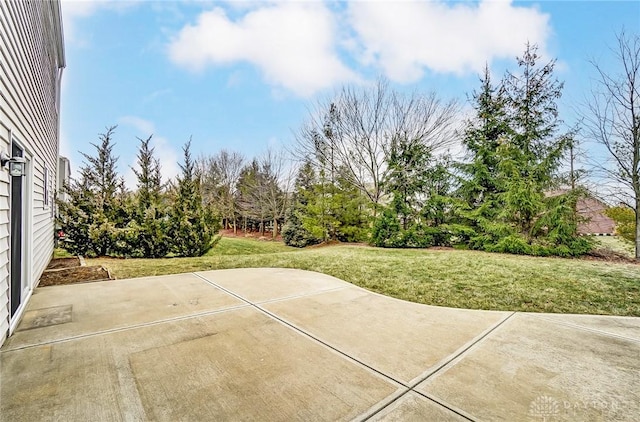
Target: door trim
16 235
27 236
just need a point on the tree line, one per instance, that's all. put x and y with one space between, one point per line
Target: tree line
386 152
370 164
181 217
101 217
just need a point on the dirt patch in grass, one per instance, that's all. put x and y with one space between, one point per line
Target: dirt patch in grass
58 263
70 270
74 275
603 254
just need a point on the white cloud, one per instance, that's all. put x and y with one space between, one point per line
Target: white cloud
141 125
163 150
81 8
405 38
167 156
75 10
292 43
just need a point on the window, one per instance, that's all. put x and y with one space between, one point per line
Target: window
45 190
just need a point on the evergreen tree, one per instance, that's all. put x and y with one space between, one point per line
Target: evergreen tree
408 179
148 175
335 210
532 153
319 216
294 233
192 227
481 138
75 217
325 210
438 204
350 209
95 215
100 175
148 231
515 151
419 187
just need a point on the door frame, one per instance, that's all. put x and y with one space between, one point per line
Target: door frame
27 234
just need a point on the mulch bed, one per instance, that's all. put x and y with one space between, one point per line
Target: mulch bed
69 270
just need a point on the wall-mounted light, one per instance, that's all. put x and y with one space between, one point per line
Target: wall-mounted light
17 165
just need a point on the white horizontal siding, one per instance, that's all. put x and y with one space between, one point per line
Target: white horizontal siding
4 243
4 274
30 57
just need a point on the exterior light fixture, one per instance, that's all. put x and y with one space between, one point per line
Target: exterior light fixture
17 165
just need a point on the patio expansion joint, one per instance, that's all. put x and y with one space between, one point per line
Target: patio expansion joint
126 328
583 328
300 296
305 333
408 387
457 355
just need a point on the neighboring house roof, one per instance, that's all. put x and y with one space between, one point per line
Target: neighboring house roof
597 222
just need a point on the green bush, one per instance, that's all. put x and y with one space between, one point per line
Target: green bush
150 234
386 231
294 234
512 244
625 219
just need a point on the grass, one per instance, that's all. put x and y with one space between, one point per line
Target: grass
244 246
61 253
616 244
460 279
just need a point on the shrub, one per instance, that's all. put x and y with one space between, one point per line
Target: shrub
625 220
151 234
513 244
386 231
294 233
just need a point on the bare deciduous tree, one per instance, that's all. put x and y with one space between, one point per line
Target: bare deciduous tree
263 189
613 120
276 185
354 131
220 174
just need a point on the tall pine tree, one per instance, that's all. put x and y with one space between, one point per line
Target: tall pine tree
150 226
100 174
481 139
95 215
515 151
148 174
192 227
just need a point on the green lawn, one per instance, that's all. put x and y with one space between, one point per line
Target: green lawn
464 279
247 246
616 244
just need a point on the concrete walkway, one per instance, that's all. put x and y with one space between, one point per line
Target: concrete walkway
282 345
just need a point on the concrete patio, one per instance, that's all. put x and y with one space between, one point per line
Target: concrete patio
281 345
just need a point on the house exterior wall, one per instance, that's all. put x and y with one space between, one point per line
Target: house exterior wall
31 63
596 221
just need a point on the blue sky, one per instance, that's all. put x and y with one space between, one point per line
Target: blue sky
242 75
